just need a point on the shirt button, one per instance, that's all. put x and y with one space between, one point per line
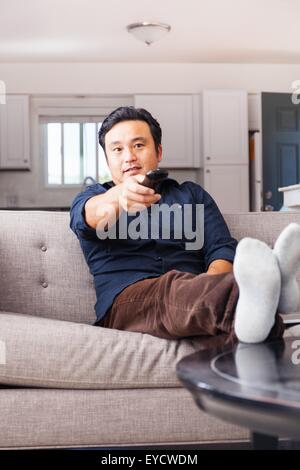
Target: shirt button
43 248
45 284
158 258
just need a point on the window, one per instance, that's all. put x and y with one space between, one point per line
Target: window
72 152
66 134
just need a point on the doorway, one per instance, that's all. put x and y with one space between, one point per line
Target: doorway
281 147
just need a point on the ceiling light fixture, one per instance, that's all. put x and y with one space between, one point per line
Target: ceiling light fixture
148 32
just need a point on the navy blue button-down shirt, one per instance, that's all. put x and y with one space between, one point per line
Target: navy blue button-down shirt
116 263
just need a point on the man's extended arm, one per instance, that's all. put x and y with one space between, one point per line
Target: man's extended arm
104 209
219 266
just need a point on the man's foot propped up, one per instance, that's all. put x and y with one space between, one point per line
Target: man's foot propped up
257 274
287 251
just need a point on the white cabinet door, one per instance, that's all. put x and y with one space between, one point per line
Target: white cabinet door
228 185
225 126
179 118
14 133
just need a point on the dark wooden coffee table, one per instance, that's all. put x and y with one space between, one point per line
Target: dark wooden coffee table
256 386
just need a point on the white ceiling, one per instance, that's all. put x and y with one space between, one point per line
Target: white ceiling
230 31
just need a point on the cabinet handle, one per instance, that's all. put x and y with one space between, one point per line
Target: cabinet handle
207 158
25 161
207 171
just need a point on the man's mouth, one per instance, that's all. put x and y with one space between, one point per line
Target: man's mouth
133 168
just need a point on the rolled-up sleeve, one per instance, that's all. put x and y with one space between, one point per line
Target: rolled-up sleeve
77 213
218 243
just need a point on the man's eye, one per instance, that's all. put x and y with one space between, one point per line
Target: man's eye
117 149
139 145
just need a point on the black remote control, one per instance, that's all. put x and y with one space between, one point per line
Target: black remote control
154 177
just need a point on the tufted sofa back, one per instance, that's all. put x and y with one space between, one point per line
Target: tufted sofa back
43 271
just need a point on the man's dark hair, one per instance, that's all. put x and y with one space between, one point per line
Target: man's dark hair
130 113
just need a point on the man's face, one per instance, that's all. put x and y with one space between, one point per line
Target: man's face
130 150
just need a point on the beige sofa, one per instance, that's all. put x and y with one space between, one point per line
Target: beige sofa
66 383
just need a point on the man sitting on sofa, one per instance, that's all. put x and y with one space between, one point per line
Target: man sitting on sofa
156 285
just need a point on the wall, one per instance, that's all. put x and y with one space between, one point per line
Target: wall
134 78
19 188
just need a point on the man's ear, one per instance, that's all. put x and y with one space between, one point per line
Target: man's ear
159 153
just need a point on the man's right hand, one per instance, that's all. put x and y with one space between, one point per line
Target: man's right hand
134 197
104 209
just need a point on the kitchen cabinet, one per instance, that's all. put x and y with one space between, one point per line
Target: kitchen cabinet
179 118
14 133
228 185
225 127
226 148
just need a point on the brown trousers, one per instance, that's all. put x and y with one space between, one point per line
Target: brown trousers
179 304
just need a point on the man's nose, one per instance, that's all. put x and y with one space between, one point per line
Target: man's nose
129 155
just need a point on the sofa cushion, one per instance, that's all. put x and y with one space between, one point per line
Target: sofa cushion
42 418
43 270
42 352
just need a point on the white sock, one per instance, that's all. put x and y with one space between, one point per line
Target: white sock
287 251
257 274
